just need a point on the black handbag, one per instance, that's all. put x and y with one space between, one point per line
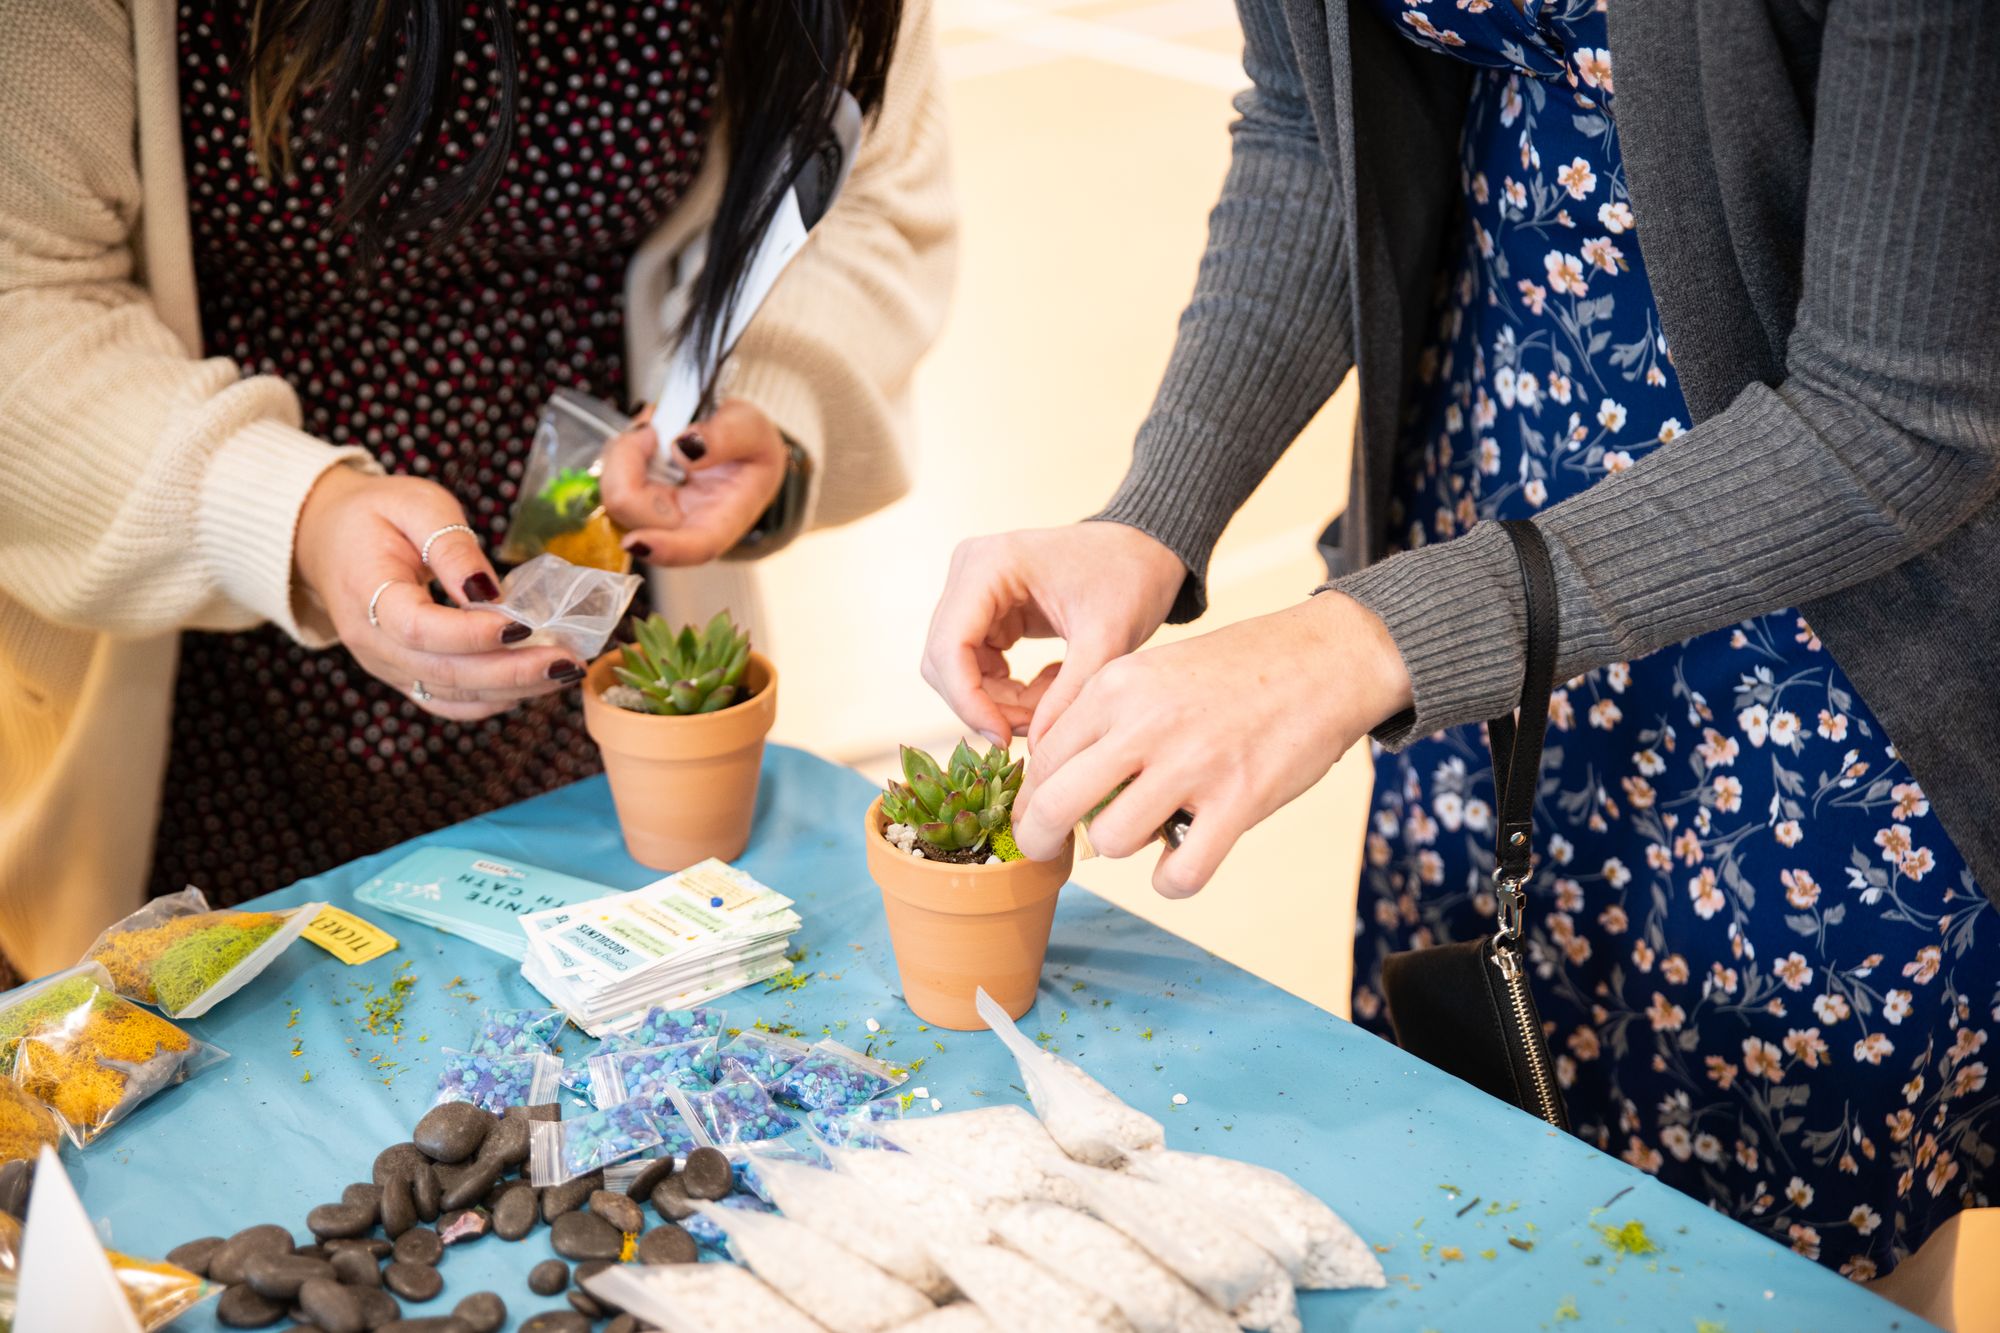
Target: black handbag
1466 1008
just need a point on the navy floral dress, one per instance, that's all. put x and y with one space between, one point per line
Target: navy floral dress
1769 978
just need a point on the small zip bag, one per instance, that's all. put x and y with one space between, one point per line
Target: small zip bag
1466 1007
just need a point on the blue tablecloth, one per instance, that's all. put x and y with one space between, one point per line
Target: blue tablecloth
1438 1176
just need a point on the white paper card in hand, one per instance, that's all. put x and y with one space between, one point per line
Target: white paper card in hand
678 400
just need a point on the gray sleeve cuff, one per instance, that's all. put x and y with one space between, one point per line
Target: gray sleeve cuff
1458 615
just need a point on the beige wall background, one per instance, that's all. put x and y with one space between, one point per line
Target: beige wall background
1091 139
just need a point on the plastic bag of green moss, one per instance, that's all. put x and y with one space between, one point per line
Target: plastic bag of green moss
89 1054
183 959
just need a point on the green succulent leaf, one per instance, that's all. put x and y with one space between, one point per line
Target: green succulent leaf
722 697
966 831
963 759
917 764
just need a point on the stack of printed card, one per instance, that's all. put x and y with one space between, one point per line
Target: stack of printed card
690 937
473 895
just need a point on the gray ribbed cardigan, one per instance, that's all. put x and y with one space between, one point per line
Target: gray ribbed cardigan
1818 189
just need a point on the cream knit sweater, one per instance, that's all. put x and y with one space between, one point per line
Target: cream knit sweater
145 489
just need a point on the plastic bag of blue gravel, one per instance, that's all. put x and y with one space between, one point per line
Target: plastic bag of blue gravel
496 1082
832 1075
736 1110
560 1150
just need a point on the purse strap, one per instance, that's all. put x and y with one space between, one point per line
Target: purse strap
1517 747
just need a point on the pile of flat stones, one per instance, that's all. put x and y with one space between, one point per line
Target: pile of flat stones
458 1178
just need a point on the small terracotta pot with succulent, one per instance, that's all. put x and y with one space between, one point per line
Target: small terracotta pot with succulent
681 720
965 908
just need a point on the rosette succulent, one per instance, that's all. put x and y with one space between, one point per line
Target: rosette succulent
955 811
670 673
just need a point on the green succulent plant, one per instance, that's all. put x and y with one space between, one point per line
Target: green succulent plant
687 672
955 809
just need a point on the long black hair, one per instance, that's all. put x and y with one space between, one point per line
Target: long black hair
785 64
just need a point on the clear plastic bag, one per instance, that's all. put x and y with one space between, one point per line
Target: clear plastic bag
26 1126
710 1236
560 1150
560 509
749 1161
1100 1258
950 1212
656 1027
830 1075
1083 1116
699 1298
736 1110
854 1126
894 1239
1183 1232
496 1082
669 1027
89 1054
158 1292
1016 1292
764 1056
1002 1153
964 1317
183 959
516 1031
842 1290
647 1071
572 606
1318 1249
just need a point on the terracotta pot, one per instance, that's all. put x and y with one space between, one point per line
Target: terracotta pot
685 787
956 928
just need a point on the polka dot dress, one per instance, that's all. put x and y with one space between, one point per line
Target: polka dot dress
286 762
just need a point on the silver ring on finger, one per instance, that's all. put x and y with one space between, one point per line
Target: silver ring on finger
375 601
431 540
419 693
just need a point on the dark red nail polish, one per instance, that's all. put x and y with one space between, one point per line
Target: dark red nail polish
691 445
569 673
639 550
515 633
481 588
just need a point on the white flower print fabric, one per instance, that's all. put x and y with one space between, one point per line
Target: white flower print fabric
1768 976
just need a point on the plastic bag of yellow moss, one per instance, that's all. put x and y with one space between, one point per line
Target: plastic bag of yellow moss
26 1126
158 1292
178 955
91 1055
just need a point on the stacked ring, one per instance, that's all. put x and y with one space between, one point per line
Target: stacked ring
425 554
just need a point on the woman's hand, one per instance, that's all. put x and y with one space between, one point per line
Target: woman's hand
1228 726
1101 587
735 463
357 533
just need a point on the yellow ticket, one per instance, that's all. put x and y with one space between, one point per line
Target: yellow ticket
347 937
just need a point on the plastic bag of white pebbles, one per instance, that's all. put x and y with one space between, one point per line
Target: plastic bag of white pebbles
841 1289
1317 1248
1183 1233
1002 1153
894 1239
699 1298
1084 1117
1100 1258
1017 1293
